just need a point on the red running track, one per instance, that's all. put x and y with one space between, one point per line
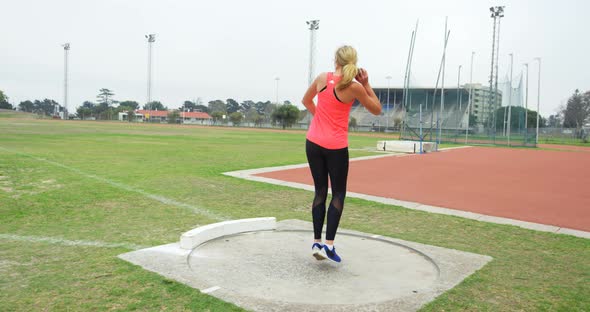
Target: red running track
540 186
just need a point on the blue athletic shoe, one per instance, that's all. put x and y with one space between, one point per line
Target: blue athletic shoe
317 251
330 254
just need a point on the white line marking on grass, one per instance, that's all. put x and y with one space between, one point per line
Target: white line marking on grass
210 290
65 242
162 199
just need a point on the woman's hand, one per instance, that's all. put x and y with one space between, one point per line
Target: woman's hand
362 76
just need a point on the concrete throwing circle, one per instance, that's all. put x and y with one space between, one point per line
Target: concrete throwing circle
278 266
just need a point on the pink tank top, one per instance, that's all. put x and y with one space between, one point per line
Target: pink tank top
329 126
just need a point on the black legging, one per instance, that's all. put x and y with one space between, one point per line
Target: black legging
325 162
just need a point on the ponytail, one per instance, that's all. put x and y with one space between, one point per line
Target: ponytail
349 71
346 57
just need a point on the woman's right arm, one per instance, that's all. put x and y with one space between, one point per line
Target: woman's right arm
365 94
311 93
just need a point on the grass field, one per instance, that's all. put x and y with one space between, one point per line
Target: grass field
74 195
8 113
563 141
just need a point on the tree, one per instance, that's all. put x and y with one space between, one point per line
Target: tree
261 107
258 120
88 109
196 106
105 97
130 115
155 105
124 109
105 102
577 110
265 109
46 107
285 115
554 121
236 118
517 116
26 106
131 104
201 108
250 114
5 105
269 108
88 104
216 116
247 105
173 116
188 106
352 123
532 120
83 112
4 101
232 106
217 106
303 114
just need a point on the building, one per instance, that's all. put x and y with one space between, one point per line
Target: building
197 118
483 107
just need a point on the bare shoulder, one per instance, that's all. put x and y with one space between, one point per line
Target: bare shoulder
322 78
321 81
356 87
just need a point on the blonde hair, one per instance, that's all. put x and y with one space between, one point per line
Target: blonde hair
346 57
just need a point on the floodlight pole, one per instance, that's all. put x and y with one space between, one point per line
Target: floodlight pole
406 79
497 13
490 95
386 117
538 99
277 90
459 86
497 102
410 62
435 88
421 137
442 88
510 99
313 26
66 47
526 103
470 96
504 122
151 39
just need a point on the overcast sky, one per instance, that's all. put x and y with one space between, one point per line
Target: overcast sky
234 49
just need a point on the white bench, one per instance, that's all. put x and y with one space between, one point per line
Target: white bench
405 146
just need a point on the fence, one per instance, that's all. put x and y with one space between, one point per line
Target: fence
564 135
